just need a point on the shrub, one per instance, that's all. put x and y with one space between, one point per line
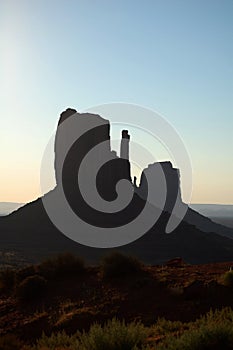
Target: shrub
212 331
7 279
119 265
114 335
205 338
65 264
57 341
228 279
164 327
31 287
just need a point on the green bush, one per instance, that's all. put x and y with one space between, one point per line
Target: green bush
213 331
228 279
213 317
31 288
114 335
7 280
164 327
65 264
205 338
118 265
57 341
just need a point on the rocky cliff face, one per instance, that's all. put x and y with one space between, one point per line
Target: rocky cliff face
165 182
84 160
77 133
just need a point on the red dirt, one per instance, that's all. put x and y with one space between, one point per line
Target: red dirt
159 291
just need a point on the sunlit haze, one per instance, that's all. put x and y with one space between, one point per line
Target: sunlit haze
174 57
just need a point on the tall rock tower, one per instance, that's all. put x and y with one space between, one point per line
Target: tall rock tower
77 133
77 136
124 154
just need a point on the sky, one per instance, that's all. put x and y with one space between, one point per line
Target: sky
171 56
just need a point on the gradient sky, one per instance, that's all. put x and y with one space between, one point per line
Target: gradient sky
175 57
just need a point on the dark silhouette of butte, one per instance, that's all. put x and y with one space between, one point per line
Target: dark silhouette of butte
29 231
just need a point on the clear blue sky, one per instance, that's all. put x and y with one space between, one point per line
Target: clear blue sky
173 56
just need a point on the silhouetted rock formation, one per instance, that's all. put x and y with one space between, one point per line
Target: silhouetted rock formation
30 231
94 134
125 145
165 177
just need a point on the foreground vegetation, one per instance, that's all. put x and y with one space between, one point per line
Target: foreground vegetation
62 304
212 331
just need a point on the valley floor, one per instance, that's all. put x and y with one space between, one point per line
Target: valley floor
74 301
